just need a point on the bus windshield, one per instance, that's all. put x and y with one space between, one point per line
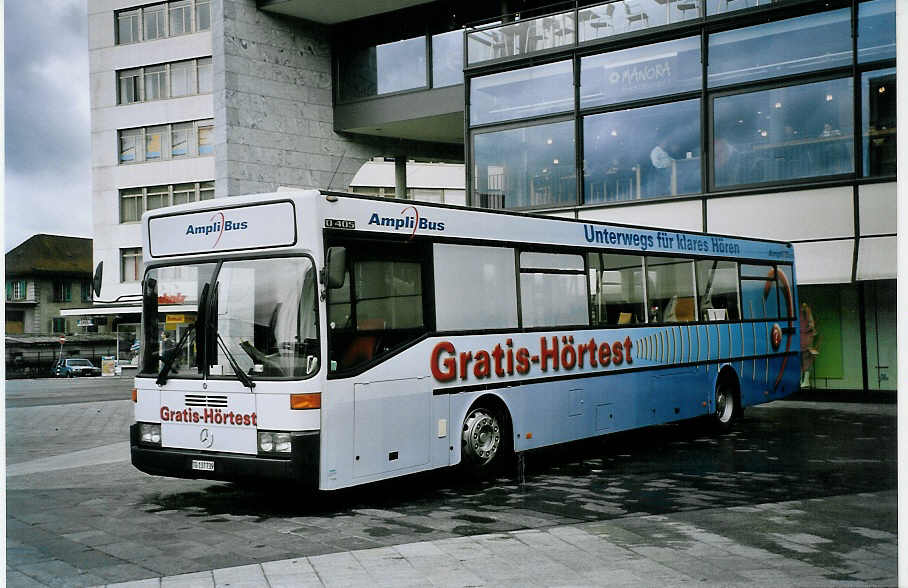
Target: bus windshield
258 316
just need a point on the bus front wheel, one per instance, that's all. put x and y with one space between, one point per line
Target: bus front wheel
484 438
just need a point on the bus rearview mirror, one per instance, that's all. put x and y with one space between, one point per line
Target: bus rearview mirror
96 281
336 266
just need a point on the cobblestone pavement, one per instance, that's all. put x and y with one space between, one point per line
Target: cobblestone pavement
800 494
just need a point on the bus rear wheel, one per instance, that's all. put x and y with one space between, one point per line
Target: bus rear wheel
728 406
484 438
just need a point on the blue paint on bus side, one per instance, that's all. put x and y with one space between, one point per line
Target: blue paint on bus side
556 411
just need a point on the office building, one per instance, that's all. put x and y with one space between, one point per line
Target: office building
747 117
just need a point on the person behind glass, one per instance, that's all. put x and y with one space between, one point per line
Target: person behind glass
660 175
168 344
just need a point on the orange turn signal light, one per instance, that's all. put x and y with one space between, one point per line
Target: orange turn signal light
135 395
304 401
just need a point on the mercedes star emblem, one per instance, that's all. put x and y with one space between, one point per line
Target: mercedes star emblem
206 437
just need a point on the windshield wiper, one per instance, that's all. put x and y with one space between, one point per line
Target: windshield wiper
243 376
171 356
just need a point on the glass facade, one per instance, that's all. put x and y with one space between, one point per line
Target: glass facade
767 104
779 48
878 131
876 30
384 69
522 93
642 152
784 133
447 59
640 72
526 167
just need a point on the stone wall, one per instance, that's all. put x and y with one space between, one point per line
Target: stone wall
273 104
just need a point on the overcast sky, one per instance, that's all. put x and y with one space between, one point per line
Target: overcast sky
48 141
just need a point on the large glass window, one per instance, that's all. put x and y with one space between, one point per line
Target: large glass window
164 329
180 17
447 59
206 190
616 289
129 145
878 118
182 79
642 153
531 91
552 290
388 295
154 22
157 197
179 139
267 318
132 205
625 16
183 193
525 167
202 15
876 30
130 86
780 48
155 82
205 75
784 133
383 69
206 135
470 287
670 290
154 141
640 72
128 27
380 305
717 288
521 37
130 264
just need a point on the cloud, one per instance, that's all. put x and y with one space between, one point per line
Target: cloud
47 131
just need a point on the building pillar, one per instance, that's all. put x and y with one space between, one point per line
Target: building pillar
400 177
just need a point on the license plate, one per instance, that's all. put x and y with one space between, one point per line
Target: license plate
203 465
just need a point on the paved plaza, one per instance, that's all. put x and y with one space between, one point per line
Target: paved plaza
800 494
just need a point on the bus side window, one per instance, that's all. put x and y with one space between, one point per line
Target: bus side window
717 289
759 292
616 288
670 290
379 308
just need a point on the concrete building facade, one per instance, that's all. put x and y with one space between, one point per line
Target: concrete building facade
303 93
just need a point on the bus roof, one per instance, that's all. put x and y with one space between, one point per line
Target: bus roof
288 220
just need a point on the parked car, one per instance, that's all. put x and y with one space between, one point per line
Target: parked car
75 366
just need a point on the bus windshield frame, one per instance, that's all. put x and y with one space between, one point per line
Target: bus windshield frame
256 314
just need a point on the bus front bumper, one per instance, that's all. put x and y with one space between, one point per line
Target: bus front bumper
300 467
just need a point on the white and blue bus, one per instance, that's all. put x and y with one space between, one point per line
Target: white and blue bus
335 340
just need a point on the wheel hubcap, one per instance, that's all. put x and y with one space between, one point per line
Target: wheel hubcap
481 436
725 406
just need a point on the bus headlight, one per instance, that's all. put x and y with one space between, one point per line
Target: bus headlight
150 433
274 442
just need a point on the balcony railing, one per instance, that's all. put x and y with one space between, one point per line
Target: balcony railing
580 25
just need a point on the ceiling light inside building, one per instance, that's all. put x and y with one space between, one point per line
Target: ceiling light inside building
828 97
